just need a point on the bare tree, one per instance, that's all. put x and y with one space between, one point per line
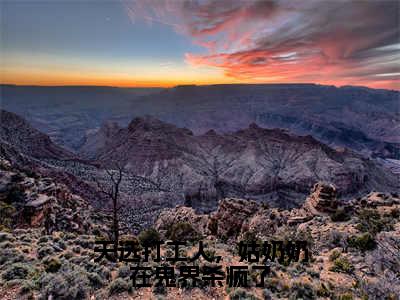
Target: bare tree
112 191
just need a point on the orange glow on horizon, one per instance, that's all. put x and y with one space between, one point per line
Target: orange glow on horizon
390 85
46 78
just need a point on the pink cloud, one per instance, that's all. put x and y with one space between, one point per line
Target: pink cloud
336 42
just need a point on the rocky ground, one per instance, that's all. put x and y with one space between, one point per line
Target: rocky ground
48 233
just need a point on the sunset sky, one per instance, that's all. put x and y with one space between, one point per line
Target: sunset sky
166 43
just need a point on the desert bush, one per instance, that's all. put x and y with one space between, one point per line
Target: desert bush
159 289
395 213
4 228
52 264
44 239
7 212
118 286
95 280
10 256
337 239
5 236
45 251
249 237
67 254
340 215
267 294
334 255
149 237
70 282
346 297
93 267
70 236
371 221
342 265
27 286
6 245
60 244
182 231
363 242
76 249
85 242
124 271
323 291
241 294
301 290
26 238
16 271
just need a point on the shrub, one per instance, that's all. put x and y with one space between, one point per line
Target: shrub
395 213
241 294
70 283
371 221
45 251
61 245
182 231
16 271
5 236
323 291
70 236
267 294
334 255
7 212
149 237
10 256
27 286
44 239
124 271
342 265
363 242
93 267
159 289
95 280
301 290
249 237
52 265
340 215
346 297
4 228
85 242
76 249
67 254
118 286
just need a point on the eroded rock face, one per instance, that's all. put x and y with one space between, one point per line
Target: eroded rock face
41 202
179 214
269 165
27 140
227 221
265 222
322 199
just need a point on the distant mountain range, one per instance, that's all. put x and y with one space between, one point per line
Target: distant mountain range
362 119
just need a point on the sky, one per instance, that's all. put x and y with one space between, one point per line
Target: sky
167 43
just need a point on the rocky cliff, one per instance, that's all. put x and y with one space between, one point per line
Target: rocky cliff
257 163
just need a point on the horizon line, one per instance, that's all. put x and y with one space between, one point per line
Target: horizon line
189 85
